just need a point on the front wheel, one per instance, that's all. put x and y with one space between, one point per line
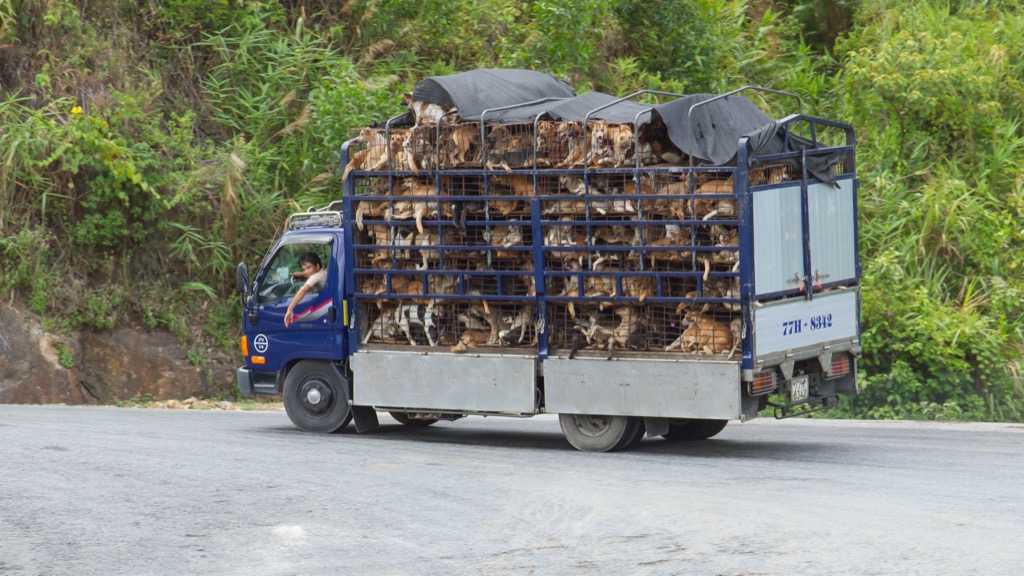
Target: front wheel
316 397
593 433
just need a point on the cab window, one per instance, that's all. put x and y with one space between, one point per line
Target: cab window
284 274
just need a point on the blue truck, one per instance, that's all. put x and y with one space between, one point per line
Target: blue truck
504 247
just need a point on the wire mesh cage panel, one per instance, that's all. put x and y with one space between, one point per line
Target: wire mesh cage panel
777 174
630 260
610 145
459 324
648 328
509 146
460 145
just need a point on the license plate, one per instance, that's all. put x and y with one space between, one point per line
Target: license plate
798 388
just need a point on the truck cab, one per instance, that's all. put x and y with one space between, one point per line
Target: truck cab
317 338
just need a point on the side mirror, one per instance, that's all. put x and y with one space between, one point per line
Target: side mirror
242 278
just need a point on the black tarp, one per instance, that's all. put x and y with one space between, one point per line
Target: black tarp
595 104
708 132
478 90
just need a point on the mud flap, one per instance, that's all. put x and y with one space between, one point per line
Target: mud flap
656 427
365 418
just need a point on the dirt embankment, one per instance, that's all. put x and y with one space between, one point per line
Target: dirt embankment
40 367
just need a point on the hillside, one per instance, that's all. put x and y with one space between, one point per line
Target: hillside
149 147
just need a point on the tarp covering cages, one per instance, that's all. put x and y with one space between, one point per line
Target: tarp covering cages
635 209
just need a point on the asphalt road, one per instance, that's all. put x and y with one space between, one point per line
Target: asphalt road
118 491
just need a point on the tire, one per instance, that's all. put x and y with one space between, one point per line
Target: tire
592 433
712 427
639 430
316 397
694 429
407 420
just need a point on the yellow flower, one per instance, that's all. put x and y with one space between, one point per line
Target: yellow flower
76 110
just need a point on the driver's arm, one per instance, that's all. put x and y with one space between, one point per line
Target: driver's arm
289 316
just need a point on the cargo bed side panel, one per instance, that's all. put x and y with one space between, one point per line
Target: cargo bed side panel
665 389
471 383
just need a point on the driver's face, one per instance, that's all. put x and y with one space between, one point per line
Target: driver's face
308 269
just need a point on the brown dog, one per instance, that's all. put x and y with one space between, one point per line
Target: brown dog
415 209
462 139
506 237
522 186
705 335
373 157
506 147
569 136
707 208
726 237
610 144
674 236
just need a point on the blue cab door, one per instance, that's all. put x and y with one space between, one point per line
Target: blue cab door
317 329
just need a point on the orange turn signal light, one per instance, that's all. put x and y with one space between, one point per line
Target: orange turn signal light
259 360
764 383
840 365
245 345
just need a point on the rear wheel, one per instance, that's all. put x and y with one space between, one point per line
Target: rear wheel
639 430
712 427
593 433
316 397
408 420
693 429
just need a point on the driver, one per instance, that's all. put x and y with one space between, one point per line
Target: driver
316 277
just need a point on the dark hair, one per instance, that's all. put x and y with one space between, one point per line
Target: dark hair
312 258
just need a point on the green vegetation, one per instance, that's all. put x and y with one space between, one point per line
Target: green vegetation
145 148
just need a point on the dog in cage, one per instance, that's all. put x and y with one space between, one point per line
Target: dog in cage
521 187
569 135
418 149
725 237
708 208
610 144
547 142
703 335
630 333
480 316
384 326
518 326
675 236
463 145
406 209
506 237
373 157
771 174
429 113
507 147
413 319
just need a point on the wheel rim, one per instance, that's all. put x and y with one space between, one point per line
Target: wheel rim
316 398
593 426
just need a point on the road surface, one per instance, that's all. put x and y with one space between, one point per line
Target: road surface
119 491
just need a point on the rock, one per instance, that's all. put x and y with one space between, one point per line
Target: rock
30 364
127 363
37 367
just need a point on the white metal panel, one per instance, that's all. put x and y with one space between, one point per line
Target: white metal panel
831 214
653 388
778 239
796 324
438 381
